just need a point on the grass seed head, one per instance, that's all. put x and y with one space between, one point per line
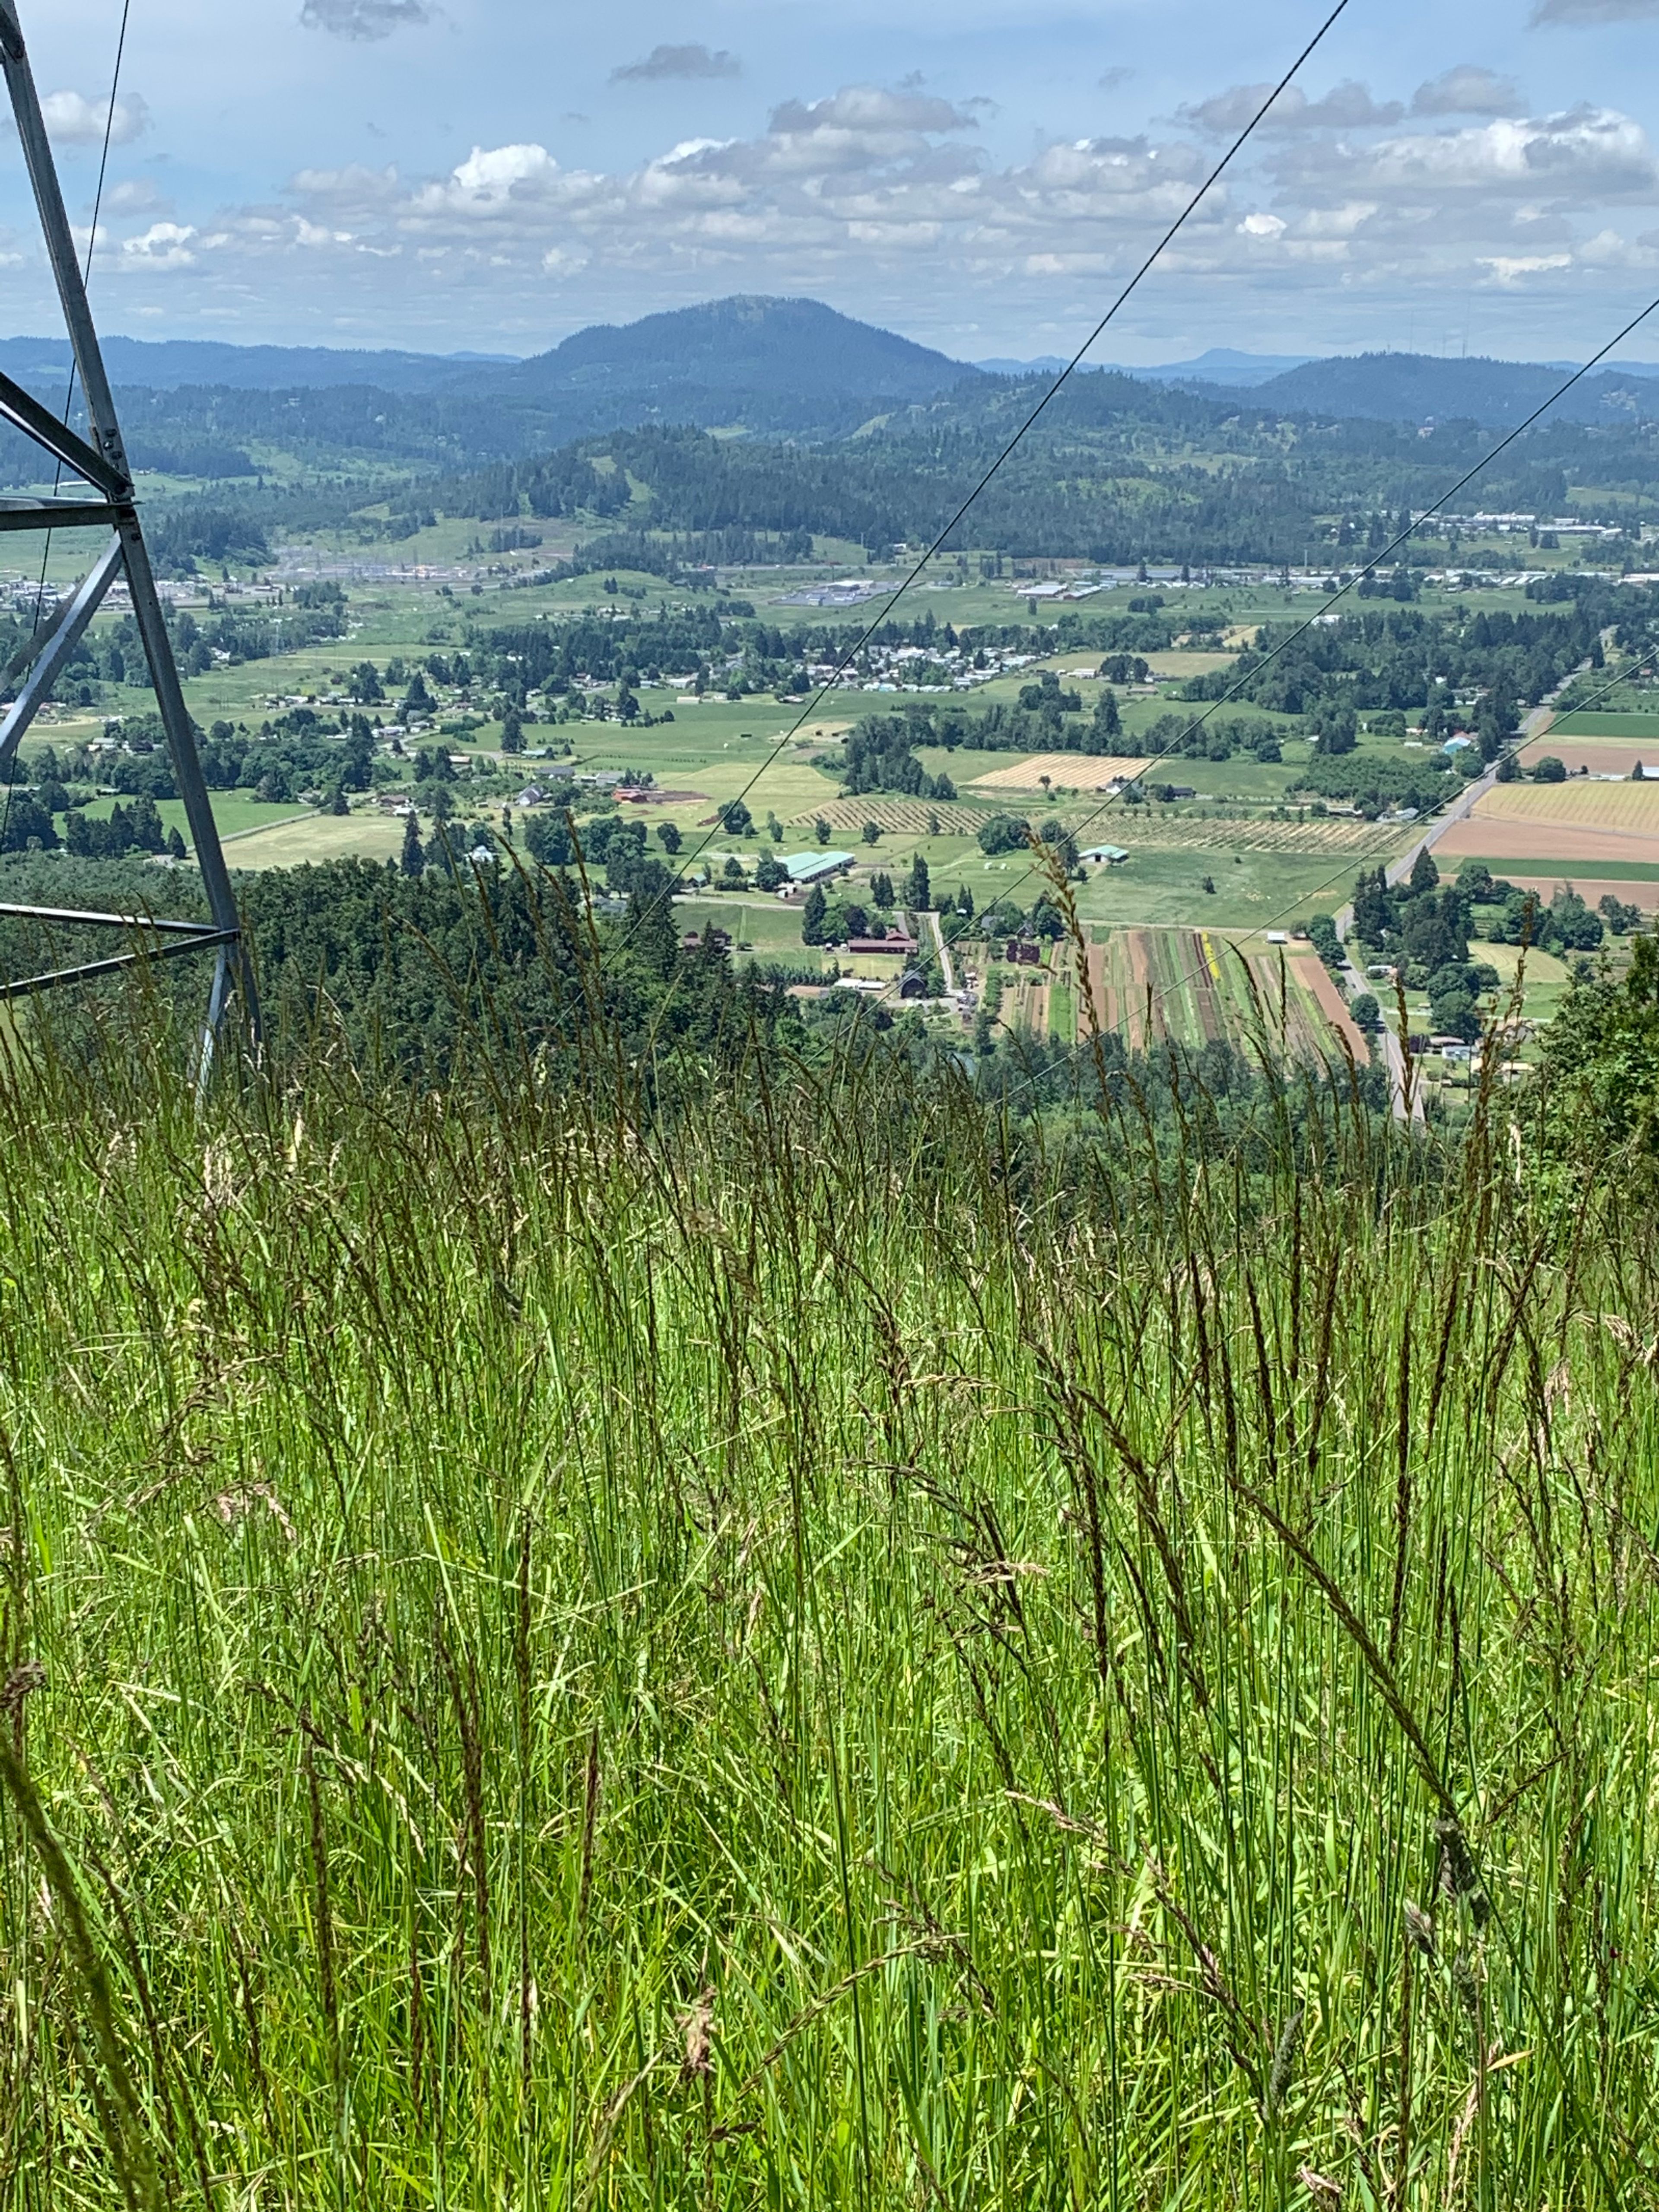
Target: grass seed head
696 2028
1285 2054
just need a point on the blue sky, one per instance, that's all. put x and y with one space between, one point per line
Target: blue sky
492 174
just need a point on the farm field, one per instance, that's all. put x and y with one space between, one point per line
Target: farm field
1577 824
1252 890
1223 834
904 817
1637 888
1594 722
366 834
1197 987
1064 771
237 814
1601 756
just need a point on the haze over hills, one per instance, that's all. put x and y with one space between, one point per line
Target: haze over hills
1219 365
167 364
771 368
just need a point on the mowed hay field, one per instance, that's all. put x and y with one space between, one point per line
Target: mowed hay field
1578 821
1064 771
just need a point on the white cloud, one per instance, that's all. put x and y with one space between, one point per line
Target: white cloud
684 63
882 197
1511 268
1578 158
487 176
163 246
73 120
364 19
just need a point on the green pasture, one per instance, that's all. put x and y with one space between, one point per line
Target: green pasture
1603 722
1623 871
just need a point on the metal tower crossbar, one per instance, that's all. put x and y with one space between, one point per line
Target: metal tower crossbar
106 498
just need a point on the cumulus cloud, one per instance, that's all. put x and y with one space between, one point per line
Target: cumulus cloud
364 19
1593 11
73 120
1346 107
163 246
684 62
1579 158
880 193
1468 90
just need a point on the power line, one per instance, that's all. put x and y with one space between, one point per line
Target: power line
1359 575
1374 852
1006 453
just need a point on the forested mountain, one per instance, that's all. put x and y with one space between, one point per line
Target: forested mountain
771 366
855 433
792 352
1116 471
1417 387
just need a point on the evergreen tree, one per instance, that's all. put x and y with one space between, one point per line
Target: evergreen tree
813 915
412 861
918 892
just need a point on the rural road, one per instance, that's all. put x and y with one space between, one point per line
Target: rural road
944 952
1394 1051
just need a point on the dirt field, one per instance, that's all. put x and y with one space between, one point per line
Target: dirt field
1334 1007
1601 756
1504 842
1066 771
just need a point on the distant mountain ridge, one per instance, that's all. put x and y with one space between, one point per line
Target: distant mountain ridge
1396 387
1219 365
765 366
169 364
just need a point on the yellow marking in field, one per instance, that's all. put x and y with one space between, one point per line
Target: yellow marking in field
1210 961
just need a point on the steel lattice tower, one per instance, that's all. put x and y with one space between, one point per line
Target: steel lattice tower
104 497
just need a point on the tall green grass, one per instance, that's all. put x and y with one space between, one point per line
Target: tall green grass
817 1657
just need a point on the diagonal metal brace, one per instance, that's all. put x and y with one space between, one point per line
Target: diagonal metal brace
25 412
82 917
27 986
57 513
58 649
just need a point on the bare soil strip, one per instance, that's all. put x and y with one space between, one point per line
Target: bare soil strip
1487 840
